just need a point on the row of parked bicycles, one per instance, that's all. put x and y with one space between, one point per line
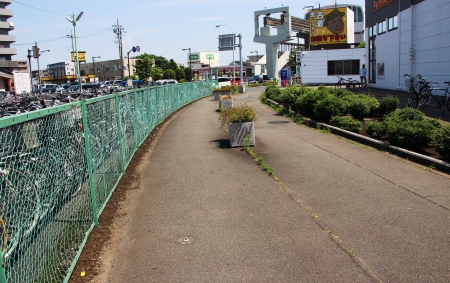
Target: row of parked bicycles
421 92
11 104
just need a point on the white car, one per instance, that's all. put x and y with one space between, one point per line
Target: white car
224 81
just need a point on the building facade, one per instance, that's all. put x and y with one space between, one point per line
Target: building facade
7 66
407 37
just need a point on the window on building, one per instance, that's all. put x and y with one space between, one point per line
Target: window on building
372 61
263 69
2 58
392 23
372 31
343 67
107 68
98 69
114 67
382 27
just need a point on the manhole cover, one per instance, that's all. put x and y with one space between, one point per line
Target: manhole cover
185 240
277 122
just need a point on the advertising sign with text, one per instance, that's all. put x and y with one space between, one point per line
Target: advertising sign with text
331 26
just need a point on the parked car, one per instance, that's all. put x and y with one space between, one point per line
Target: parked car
164 82
224 81
136 83
235 81
255 79
93 86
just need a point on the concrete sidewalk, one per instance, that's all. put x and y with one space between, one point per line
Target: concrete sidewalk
205 212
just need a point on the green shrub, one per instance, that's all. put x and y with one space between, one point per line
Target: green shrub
273 92
435 122
408 128
440 140
239 114
388 104
225 88
288 97
376 129
329 106
307 101
361 106
346 123
270 83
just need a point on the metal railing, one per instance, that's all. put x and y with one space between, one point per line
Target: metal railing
59 167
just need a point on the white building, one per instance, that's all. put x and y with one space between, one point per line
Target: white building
407 38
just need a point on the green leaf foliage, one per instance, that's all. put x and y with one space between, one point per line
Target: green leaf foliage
440 140
273 92
376 129
329 106
238 114
388 104
408 128
346 123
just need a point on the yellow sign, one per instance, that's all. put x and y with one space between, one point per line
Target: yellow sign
81 56
328 26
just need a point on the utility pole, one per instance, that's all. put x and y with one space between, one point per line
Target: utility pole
118 29
29 63
71 37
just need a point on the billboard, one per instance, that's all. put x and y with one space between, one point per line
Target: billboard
21 82
331 26
81 56
226 42
194 57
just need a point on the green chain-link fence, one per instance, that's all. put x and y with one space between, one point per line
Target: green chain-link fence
58 168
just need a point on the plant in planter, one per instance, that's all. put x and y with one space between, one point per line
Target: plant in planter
225 90
240 120
225 102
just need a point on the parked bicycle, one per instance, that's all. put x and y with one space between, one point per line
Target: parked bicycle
442 101
349 84
416 86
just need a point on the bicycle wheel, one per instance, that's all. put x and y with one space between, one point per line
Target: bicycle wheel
20 208
447 102
409 97
421 101
354 85
338 84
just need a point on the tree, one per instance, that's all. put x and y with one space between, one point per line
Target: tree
179 73
161 62
188 73
362 44
156 73
172 65
143 70
169 74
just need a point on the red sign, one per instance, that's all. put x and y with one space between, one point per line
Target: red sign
377 5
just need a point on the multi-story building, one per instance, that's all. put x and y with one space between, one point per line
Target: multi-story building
60 73
107 70
407 37
7 66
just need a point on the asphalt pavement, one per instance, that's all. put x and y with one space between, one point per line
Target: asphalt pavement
335 211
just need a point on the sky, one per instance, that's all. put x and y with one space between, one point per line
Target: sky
159 27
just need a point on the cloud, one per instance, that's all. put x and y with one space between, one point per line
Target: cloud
208 19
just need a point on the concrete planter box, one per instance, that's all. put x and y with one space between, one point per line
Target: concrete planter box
241 88
238 131
218 94
226 103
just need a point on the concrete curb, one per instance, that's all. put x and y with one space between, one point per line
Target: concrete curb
409 155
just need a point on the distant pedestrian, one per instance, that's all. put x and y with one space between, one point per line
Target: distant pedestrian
260 78
362 75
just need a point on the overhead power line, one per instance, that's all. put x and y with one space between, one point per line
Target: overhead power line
38 8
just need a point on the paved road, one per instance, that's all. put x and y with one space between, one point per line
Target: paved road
340 212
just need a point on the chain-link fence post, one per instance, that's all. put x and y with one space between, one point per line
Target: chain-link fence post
136 122
119 125
89 162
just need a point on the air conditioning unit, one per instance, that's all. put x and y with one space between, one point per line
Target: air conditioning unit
11 25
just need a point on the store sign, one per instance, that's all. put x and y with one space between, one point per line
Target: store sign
209 56
298 71
377 5
331 26
81 56
298 56
194 57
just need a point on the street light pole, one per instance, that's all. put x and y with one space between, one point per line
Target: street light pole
232 34
93 64
39 70
74 21
190 62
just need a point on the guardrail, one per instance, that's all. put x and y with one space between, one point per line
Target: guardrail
59 167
